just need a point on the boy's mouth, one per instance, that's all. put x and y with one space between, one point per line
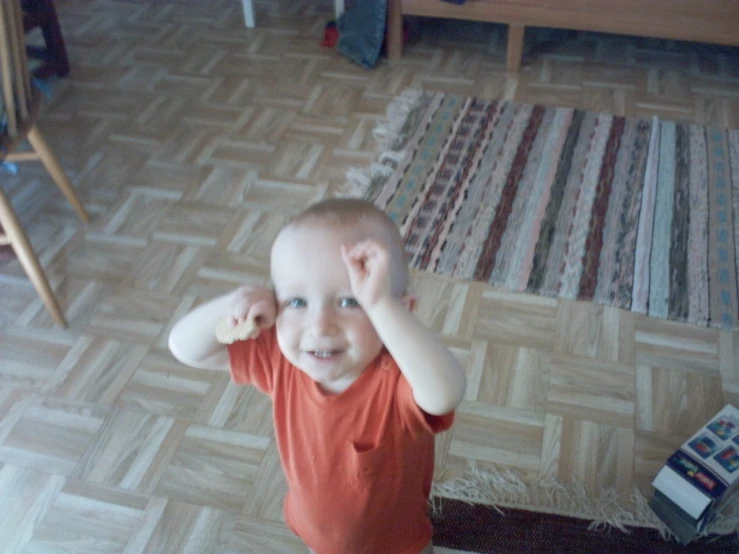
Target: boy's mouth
324 354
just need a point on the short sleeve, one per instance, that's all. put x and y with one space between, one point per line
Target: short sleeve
255 361
415 418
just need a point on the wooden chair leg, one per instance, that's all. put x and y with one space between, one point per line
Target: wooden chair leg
50 161
28 259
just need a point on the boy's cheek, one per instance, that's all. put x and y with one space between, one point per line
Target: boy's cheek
282 330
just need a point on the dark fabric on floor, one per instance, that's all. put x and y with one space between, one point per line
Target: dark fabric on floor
362 31
479 528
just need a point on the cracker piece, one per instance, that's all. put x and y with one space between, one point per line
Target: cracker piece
225 334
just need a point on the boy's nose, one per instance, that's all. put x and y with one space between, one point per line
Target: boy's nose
324 323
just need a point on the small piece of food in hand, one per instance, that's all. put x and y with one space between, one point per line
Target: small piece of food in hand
228 334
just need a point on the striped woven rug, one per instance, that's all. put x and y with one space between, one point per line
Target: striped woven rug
641 215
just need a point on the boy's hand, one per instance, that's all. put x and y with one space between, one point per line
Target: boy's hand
198 339
368 264
255 304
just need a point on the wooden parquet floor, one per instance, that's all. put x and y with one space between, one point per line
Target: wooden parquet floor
191 140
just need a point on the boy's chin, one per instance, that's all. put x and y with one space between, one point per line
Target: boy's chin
335 381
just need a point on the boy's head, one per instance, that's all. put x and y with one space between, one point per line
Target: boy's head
354 216
321 328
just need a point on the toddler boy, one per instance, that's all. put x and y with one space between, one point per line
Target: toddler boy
359 386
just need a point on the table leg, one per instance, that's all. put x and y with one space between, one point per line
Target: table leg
394 30
515 46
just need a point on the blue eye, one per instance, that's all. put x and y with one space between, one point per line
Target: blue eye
348 303
295 303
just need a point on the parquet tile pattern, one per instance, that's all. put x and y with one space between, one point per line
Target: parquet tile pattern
191 140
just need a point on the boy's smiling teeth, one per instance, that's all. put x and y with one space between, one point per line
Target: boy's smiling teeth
323 353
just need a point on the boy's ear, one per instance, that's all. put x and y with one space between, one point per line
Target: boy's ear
409 302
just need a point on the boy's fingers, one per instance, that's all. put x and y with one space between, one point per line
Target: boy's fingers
246 321
351 254
246 308
259 314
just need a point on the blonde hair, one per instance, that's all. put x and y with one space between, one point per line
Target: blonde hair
345 212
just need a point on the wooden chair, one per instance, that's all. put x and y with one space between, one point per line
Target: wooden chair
20 106
41 14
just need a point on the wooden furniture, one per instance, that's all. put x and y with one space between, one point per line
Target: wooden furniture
250 20
42 14
711 21
20 103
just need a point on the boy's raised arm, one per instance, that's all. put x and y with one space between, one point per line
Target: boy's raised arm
193 338
437 379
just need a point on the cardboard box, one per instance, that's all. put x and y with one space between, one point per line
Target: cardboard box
699 476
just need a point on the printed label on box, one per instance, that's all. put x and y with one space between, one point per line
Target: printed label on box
695 472
728 458
699 476
724 427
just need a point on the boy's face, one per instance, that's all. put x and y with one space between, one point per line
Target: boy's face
321 329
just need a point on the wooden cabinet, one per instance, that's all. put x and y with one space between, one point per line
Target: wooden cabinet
711 21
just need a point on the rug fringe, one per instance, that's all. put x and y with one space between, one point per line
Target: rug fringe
387 132
364 182
506 489
361 181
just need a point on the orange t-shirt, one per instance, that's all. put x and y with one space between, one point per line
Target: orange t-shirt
359 464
